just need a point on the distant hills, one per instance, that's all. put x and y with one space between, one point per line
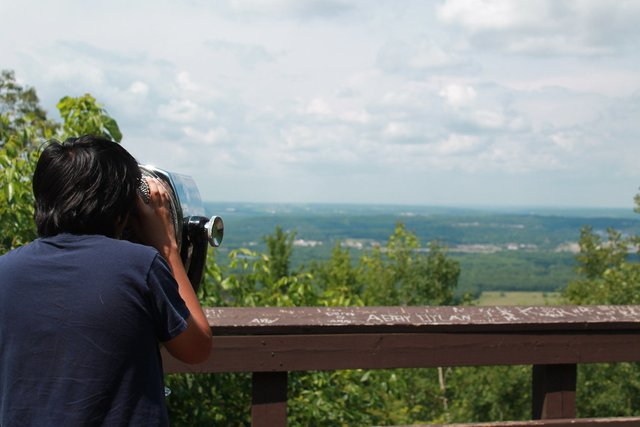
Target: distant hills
499 249
527 228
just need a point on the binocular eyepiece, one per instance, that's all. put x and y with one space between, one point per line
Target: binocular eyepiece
194 231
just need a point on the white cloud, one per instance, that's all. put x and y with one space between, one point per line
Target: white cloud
482 15
208 137
184 82
490 119
561 108
139 88
320 150
248 55
83 74
547 27
309 9
319 107
458 144
567 141
184 111
397 131
356 116
458 95
337 111
416 57
299 138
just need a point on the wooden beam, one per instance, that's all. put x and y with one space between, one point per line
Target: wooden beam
554 391
260 353
322 320
269 399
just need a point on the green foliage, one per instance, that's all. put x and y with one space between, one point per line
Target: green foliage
359 397
607 274
24 127
403 275
84 116
209 399
346 398
542 271
609 390
22 120
279 248
338 279
16 197
483 394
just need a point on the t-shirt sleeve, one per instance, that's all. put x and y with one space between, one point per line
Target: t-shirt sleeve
168 309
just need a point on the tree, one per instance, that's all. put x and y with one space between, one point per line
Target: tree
83 115
16 198
404 274
279 248
22 119
432 280
489 393
24 127
607 274
337 279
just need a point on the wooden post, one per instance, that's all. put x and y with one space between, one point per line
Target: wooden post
554 391
269 401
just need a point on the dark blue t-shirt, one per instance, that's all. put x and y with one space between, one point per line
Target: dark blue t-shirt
80 322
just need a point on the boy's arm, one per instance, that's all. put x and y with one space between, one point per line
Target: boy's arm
155 228
193 345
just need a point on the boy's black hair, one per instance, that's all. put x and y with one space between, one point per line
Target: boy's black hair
84 186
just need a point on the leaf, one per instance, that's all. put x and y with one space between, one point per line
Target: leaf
112 127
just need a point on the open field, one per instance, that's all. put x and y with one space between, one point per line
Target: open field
519 298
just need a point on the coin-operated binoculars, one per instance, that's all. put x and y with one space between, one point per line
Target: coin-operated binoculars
194 231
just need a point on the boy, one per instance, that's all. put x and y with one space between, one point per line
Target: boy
81 312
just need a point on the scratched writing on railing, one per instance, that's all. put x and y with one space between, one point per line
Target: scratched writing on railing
264 321
481 315
423 315
339 317
417 318
389 318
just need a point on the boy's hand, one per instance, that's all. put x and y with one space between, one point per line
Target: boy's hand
153 224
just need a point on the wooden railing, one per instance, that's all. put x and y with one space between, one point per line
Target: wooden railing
269 342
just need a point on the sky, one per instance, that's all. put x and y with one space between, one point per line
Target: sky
446 103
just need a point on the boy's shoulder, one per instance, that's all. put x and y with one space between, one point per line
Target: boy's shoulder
122 249
80 245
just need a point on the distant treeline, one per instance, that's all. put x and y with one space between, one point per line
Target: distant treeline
450 228
525 247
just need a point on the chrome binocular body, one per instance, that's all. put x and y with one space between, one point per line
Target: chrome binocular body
194 231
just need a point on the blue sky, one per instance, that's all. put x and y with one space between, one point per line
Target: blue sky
505 103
